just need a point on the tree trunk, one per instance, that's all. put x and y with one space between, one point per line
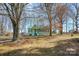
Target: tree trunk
2 32
2 29
73 25
50 28
66 26
76 26
73 28
60 28
15 32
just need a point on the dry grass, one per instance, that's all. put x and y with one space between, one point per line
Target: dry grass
41 45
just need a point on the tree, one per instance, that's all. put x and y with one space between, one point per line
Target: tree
14 11
76 15
61 10
48 8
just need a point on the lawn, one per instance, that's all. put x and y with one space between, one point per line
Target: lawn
56 45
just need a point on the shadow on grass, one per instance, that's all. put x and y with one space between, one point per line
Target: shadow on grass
69 47
3 41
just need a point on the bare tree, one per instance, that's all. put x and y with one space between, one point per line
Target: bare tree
61 10
14 11
47 7
76 15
